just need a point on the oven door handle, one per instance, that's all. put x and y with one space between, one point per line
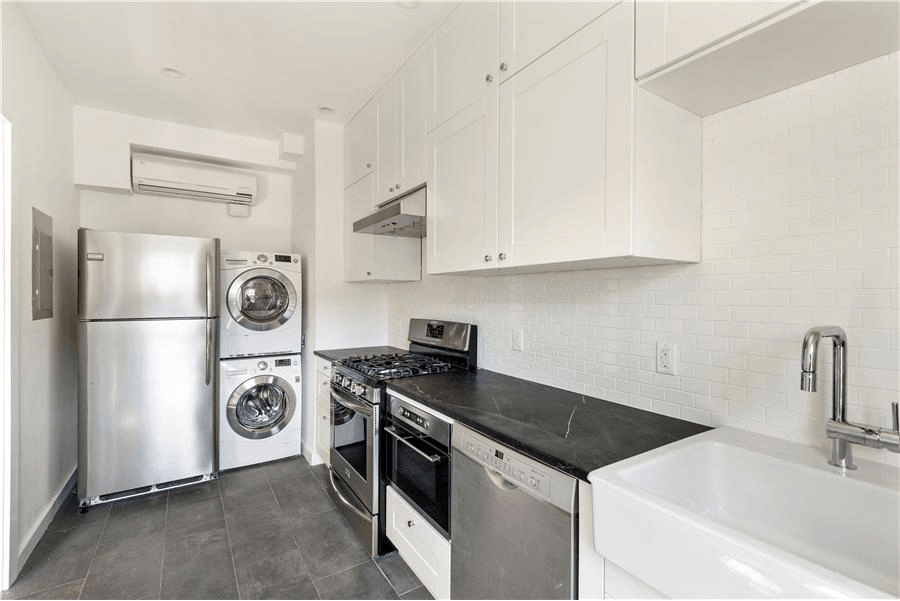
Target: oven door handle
350 505
339 396
393 432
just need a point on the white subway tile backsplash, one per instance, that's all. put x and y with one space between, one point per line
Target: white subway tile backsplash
801 214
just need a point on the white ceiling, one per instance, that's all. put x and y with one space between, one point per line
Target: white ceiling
253 68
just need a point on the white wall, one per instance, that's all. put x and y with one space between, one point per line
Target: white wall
104 141
339 314
44 353
267 229
800 228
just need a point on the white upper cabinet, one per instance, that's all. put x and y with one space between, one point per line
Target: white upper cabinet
710 56
463 60
590 170
462 191
412 122
554 137
529 29
361 144
370 257
386 101
402 130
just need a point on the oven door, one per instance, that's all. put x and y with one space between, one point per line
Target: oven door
419 469
354 445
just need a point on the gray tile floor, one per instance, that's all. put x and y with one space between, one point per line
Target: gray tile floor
263 532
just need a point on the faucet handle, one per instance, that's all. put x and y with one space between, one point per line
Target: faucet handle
895 422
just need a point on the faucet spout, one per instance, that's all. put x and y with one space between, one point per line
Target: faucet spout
841 451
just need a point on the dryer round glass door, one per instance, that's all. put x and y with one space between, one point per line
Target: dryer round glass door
261 299
261 407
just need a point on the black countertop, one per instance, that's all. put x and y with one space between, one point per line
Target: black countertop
571 432
343 353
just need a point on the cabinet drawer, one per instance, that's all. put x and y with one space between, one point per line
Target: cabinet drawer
323 429
323 366
419 544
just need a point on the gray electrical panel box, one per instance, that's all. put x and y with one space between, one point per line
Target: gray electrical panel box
41 265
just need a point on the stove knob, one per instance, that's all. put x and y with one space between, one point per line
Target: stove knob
532 482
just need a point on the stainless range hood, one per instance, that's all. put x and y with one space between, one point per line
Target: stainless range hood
404 216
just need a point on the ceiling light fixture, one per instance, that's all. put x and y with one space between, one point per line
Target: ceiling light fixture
325 110
173 73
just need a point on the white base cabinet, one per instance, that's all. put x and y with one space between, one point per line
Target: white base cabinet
323 409
591 171
419 544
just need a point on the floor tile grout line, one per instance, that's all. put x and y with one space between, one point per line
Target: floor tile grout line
237 587
162 563
94 554
341 571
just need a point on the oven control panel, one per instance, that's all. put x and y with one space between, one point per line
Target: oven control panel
425 422
518 470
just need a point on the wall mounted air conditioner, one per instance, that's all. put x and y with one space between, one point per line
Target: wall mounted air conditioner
165 176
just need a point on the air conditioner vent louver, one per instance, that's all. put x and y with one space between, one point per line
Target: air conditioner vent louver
165 176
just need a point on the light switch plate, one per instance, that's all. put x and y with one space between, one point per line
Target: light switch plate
667 358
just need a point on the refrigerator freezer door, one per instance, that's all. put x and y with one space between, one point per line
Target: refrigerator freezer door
146 276
146 403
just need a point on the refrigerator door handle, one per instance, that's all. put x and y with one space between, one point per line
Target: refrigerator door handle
209 285
209 350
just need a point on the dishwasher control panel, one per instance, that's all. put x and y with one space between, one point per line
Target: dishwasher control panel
537 479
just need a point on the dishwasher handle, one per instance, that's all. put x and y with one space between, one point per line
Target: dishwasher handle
499 481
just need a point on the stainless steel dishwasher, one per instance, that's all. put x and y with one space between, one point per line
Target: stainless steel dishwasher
512 523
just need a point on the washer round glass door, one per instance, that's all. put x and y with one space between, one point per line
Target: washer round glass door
261 407
261 299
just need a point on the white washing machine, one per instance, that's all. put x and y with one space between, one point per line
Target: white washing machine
260 304
259 410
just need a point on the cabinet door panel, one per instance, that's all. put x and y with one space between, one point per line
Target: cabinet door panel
359 249
412 126
462 196
529 29
553 154
462 52
692 25
386 107
361 144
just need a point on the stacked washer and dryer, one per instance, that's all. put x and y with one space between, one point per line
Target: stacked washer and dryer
259 367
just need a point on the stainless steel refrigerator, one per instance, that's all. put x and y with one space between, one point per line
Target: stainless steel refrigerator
147 328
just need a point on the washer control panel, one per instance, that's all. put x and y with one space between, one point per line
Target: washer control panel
531 476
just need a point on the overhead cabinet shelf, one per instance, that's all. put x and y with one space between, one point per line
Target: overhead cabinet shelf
710 56
565 163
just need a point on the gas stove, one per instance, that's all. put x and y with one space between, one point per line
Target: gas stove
358 395
396 365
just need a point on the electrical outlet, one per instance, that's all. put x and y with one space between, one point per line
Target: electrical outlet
518 339
667 358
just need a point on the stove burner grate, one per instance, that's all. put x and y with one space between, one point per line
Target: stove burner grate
396 365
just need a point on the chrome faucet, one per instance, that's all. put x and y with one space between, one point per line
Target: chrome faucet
839 430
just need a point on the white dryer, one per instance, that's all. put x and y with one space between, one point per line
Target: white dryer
260 304
259 410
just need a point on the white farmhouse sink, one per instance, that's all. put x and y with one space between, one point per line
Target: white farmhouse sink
729 513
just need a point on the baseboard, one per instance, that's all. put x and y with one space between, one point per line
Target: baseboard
311 456
40 528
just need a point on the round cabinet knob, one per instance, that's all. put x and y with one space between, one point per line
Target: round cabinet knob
489 78
502 256
410 523
368 165
488 258
325 418
504 67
